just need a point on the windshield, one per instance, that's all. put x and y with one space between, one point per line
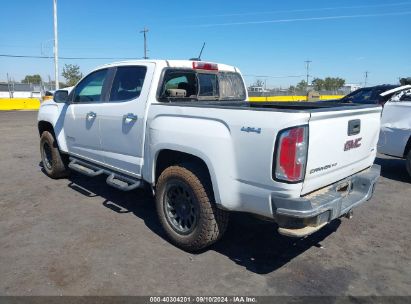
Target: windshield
367 95
360 95
189 85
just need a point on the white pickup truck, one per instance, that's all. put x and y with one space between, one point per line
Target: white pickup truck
186 129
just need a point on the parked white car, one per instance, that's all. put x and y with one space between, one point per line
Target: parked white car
185 129
395 136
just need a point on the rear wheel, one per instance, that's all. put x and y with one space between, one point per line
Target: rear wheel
408 163
54 163
186 208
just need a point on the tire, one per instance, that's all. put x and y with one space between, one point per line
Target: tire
54 163
186 208
408 162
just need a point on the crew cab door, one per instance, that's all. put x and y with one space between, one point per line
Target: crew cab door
122 118
81 122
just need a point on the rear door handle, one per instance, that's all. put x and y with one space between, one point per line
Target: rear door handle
91 115
130 117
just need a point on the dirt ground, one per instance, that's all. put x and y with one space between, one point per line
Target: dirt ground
78 236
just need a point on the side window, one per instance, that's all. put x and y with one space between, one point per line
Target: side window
128 83
376 95
91 87
231 86
406 96
362 96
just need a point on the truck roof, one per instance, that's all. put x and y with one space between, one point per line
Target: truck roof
170 63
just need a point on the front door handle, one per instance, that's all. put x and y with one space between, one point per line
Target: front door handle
130 117
91 115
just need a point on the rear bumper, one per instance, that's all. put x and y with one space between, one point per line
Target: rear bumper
307 214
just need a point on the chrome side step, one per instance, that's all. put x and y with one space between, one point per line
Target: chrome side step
114 179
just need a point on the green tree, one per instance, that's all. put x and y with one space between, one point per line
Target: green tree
32 79
405 81
72 74
259 83
333 83
301 86
318 84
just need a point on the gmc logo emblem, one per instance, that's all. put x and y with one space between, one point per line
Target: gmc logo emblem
352 144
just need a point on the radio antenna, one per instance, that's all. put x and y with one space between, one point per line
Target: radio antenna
201 52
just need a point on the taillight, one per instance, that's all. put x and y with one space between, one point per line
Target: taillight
291 154
199 65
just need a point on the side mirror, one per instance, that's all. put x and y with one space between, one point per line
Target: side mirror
60 96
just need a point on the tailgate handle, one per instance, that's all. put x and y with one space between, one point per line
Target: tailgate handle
354 127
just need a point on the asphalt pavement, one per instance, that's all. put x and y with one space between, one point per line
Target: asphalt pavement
78 236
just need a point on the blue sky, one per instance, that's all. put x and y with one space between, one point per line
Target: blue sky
342 38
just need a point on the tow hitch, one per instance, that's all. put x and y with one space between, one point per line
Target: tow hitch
349 214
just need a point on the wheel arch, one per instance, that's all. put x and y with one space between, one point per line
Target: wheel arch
43 125
168 157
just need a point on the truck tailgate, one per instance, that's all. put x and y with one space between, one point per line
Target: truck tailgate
342 142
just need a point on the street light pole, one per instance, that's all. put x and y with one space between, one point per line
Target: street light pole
56 52
307 67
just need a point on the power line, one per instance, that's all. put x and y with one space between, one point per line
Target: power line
265 76
240 14
289 20
67 58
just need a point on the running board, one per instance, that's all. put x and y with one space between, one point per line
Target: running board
122 183
84 168
115 180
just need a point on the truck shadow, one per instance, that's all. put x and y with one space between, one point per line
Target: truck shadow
393 168
249 242
257 246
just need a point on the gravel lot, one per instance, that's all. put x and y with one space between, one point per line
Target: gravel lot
78 236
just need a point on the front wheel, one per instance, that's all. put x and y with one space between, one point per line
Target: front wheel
54 163
186 208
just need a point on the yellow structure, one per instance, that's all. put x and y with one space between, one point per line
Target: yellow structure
291 98
34 103
19 104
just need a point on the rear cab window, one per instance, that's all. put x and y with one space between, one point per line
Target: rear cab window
193 85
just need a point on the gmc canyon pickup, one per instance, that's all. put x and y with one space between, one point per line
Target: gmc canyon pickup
186 129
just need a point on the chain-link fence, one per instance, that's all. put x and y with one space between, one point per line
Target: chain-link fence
24 90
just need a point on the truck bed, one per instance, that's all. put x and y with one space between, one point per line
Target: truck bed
280 106
334 151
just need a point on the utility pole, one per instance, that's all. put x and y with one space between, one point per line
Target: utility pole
8 86
365 78
307 67
56 52
145 31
